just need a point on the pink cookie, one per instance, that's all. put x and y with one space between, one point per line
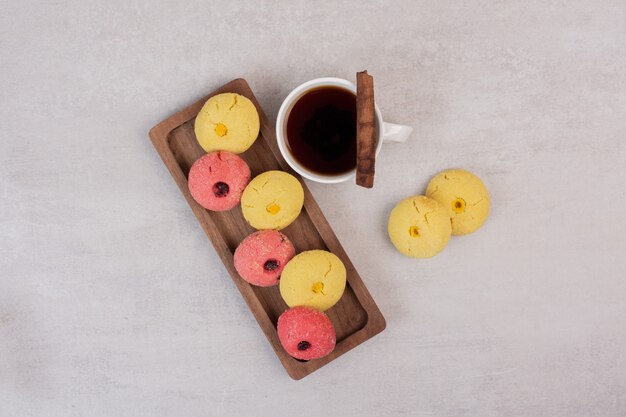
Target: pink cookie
217 180
306 333
261 257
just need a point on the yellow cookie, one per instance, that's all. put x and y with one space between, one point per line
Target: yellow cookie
272 200
227 122
314 278
419 227
464 195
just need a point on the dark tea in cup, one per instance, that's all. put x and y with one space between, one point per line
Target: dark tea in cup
321 130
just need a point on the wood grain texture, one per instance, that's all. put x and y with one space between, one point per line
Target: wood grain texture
355 317
365 130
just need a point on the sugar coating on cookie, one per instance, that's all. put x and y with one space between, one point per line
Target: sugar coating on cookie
227 122
217 180
314 278
272 200
419 227
306 333
464 195
260 258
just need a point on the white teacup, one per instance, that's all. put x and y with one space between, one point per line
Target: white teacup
386 131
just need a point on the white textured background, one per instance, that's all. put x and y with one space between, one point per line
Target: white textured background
113 303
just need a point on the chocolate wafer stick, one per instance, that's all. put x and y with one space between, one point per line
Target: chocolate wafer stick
365 130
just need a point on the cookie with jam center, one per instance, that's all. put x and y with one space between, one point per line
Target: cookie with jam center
227 122
419 227
314 278
217 180
272 200
260 258
306 333
465 197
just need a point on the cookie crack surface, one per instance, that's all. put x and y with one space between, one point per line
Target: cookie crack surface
415 206
234 103
265 183
330 268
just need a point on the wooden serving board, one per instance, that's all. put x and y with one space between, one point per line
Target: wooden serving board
355 317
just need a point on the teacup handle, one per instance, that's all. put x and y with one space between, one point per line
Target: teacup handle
396 133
